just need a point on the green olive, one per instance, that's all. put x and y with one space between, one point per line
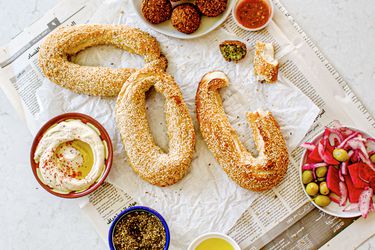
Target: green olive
322 200
312 189
322 179
323 189
321 172
307 177
372 158
340 154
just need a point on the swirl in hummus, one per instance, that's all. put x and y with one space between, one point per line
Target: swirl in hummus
71 156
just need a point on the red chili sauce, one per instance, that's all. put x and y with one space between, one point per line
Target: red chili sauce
252 13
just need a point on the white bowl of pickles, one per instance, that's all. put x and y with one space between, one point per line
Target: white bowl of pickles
337 171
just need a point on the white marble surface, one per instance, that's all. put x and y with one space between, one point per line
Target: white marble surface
33 219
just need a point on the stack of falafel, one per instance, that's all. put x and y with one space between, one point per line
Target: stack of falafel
185 17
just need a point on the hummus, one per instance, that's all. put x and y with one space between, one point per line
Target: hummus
71 156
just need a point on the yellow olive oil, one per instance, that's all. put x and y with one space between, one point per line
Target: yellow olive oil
84 152
88 158
214 244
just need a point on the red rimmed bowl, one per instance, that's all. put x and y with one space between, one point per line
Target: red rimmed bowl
102 134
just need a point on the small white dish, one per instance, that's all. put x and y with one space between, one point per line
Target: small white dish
206 236
270 4
333 208
207 25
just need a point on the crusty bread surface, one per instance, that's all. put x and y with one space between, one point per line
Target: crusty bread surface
147 159
255 173
266 67
58 47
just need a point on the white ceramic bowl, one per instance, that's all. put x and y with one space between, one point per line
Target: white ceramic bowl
206 236
270 4
333 208
208 24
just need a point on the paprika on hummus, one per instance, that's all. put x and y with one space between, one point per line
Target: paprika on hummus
71 156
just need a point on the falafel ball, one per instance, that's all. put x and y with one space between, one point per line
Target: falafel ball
211 8
233 50
186 18
156 11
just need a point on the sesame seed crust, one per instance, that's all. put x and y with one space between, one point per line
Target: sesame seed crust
65 42
263 69
148 160
255 173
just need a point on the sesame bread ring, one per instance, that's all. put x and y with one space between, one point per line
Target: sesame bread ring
55 53
148 160
254 173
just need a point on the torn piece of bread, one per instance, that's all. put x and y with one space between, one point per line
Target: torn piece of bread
259 173
266 67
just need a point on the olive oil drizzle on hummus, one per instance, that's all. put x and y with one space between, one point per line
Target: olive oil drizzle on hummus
71 156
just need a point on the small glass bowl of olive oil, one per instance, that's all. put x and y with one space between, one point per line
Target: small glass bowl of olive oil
214 241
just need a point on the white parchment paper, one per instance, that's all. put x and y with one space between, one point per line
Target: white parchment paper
206 199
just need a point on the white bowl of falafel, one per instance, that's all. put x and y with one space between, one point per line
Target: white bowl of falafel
183 19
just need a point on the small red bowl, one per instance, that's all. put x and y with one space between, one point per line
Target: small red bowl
103 135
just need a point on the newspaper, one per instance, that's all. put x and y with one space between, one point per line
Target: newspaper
280 218
284 218
200 196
